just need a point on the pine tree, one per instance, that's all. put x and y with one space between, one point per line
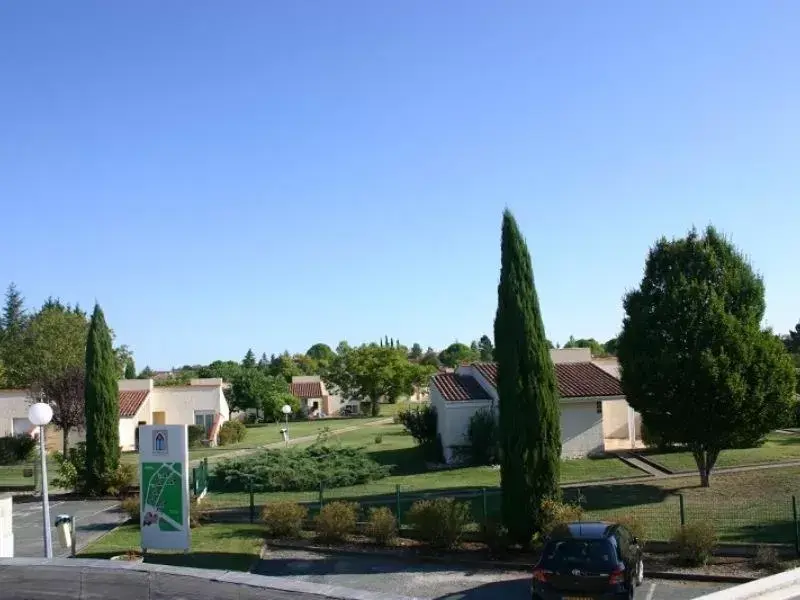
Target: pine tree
249 360
13 322
529 427
101 405
130 369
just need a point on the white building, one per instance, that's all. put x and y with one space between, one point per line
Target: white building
201 402
595 417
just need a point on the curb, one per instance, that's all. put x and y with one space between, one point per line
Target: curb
494 564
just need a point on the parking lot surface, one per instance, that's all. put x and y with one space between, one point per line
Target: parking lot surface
441 582
92 519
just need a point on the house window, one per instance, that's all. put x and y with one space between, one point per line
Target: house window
205 419
599 407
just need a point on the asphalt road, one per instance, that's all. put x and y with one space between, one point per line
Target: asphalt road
92 519
435 581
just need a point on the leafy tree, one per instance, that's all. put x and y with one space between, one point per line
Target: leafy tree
321 353
372 372
486 349
53 341
284 366
123 355
611 346
253 389
146 373
249 360
101 405
228 370
457 353
13 322
695 362
430 358
263 362
305 365
64 392
416 352
595 346
529 424
130 369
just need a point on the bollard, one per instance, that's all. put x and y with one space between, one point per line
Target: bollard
252 500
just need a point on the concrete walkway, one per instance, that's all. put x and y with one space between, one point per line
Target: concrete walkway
637 463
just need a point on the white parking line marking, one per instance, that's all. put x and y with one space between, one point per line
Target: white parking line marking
651 591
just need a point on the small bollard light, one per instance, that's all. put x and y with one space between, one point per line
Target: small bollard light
64 529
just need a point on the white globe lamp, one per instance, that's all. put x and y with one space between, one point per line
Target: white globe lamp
40 414
287 410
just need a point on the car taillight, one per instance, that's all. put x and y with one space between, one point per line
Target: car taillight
540 574
617 575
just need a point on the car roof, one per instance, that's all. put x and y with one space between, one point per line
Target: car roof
585 530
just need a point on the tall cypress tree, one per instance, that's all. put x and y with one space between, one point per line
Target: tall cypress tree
529 428
102 404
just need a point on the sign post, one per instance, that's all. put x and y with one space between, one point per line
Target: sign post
164 472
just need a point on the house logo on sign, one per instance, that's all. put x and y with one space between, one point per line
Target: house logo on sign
160 442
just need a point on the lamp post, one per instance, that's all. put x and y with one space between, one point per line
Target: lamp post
40 414
286 410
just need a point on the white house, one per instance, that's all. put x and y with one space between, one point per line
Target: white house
595 416
201 402
315 401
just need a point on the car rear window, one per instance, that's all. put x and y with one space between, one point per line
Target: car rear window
589 554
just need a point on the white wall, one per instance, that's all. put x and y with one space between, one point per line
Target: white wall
615 419
14 404
180 403
581 429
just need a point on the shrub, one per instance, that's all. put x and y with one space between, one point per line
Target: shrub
767 558
555 512
16 449
381 525
71 468
303 469
132 506
121 480
654 439
336 520
482 438
284 519
635 525
232 432
420 423
695 542
441 521
378 439
197 516
495 536
196 434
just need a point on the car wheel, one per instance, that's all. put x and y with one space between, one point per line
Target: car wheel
639 573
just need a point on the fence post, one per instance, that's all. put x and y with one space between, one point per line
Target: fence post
252 500
682 509
321 494
397 504
796 527
205 469
193 482
485 506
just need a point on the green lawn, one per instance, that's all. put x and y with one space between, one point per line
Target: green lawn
779 447
231 547
397 448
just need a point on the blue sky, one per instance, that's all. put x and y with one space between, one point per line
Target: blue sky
266 174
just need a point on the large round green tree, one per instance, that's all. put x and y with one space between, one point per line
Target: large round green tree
102 405
529 428
695 362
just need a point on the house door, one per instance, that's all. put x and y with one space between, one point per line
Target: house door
160 417
205 420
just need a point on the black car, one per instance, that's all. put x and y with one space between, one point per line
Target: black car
588 561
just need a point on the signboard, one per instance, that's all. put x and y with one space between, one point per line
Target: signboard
164 471
6 527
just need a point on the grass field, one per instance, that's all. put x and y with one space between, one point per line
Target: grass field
222 546
13 476
398 449
779 447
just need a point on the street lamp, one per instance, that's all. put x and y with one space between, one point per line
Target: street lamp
286 410
40 414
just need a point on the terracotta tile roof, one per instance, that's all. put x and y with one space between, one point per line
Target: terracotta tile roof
575 380
131 401
307 389
454 387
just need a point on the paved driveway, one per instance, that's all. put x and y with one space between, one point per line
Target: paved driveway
433 581
92 519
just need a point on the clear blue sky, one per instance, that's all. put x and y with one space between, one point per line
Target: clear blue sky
266 174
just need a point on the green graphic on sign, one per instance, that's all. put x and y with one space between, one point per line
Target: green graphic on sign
162 495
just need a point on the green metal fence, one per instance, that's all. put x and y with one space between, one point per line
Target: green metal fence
769 520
